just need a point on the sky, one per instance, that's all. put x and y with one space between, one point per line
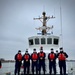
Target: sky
17 24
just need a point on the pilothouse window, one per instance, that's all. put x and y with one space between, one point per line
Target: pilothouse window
31 42
55 41
49 40
37 41
43 41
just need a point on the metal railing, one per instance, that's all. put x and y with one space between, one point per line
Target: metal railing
8 68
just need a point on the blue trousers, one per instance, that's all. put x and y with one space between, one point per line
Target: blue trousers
34 65
26 67
52 65
17 67
41 65
62 66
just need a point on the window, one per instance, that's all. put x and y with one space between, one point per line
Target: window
36 40
31 42
55 41
49 40
42 40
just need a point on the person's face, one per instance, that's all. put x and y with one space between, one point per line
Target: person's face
26 52
52 50
41 50
19 52
61 50
34 51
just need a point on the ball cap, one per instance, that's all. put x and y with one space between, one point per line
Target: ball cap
61 48
51 48
41 48
26 50
19 50
56 50
34 49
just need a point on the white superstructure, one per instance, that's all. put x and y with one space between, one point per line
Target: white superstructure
44 39
47 40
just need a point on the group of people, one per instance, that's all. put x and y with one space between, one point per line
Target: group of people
38 61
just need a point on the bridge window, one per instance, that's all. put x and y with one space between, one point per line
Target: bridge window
49 40
43 41
31 42
56 41
37 41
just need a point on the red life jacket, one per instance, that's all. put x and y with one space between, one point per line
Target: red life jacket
26 57
19 57
61 56
34 56
41 54
52 56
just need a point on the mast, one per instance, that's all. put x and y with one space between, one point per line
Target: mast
44 29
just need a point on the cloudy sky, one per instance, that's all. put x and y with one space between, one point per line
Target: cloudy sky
17 24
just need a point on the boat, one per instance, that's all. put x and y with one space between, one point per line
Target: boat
47 40
44 39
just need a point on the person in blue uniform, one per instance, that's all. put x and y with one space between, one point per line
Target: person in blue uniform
34 58
62 61
41 56
18 61
56 52
26 58
52 61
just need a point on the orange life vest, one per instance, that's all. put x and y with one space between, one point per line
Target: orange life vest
26 57
61 56
52 56
19 57
41 54
34 56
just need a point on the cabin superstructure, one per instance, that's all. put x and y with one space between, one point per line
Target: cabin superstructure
47 40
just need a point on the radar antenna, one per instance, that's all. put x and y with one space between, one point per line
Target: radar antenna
44 19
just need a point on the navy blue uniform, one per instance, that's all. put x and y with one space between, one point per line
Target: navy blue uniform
18 61
62 62
52 62
34 58
26 59
42 56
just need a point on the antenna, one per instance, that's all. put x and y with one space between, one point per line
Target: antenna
44 20
43 7
61 35
54 11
